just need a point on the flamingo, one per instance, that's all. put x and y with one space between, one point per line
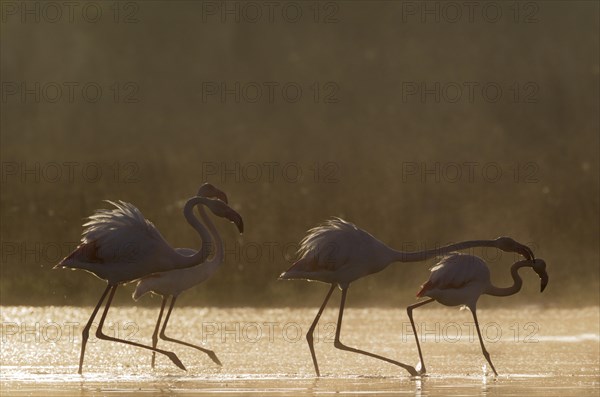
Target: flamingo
174 282
120 245
460 279
338 253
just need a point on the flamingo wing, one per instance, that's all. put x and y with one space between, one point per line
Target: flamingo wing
118 235
336 251
454 271
329 246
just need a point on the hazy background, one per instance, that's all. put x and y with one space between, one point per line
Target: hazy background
155 133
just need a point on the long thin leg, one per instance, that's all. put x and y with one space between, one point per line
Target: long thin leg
100 335
163 336
341 346
86 330
485 352
311 330
155 334
409 310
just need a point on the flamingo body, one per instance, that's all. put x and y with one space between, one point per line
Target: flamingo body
120 245
458 279
338 252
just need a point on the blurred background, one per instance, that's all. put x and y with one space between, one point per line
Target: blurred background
422 122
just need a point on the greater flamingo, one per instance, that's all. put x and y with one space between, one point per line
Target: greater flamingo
460 279
338 253
174 282
120 245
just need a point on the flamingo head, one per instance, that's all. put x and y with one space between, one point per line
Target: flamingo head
219 208
208 190
539 266
509 245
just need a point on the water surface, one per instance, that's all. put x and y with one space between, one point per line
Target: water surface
536 351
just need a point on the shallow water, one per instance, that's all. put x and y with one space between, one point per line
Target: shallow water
536 352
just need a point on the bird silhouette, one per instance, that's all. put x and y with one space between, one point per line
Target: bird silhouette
460 279
172 283
120 245
338 253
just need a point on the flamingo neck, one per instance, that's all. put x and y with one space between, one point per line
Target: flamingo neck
517 282
418 256
200 256
217 257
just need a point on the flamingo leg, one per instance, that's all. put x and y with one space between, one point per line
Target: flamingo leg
483 349
86 330
163 336
100 335
311 330
155 334
341 346
409 310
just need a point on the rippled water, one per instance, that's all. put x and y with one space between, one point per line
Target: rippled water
536 352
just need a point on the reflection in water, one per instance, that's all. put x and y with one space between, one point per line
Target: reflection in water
418 386
484 385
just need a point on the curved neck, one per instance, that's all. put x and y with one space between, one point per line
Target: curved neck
217 257
517 282
417 256
202 254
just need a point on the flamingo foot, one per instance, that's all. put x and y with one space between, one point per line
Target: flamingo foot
215 359
412 371
175 360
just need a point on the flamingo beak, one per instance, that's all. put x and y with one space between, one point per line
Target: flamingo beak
232 215
238 222
544 280
539 266
236 218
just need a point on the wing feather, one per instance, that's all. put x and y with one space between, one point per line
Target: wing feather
455 271
117 235
329 246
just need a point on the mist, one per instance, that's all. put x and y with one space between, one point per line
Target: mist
422 132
